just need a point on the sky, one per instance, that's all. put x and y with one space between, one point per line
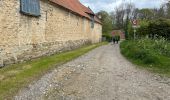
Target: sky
109 5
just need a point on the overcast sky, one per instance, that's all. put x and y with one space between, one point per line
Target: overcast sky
108 5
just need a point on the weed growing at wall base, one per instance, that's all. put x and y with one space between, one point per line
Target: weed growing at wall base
15 77
148 53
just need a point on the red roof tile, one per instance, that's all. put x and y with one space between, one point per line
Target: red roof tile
76 7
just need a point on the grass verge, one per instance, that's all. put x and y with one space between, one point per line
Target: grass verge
17 76
148 54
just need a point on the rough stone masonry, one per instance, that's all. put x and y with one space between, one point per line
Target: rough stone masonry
58 29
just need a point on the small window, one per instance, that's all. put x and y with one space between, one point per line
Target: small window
92 21
30 7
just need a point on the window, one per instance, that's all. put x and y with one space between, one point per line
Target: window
92 21
30 7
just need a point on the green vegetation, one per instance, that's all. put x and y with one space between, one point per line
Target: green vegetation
151 54
143 30
15 77
147 43
151 47
108 37
154 28
107 24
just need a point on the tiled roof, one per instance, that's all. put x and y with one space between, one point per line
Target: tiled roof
76 7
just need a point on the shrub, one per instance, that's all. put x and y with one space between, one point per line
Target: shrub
155 28
154 54
139 50
150 59
160 27
142 31
130 31
108 37
162 46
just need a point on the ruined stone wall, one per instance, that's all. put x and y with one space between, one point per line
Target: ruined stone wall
24 37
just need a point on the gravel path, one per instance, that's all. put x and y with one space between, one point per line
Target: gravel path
102 74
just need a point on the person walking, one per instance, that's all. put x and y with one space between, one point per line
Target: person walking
113 39
117 38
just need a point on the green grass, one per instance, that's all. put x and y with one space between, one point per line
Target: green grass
148 54
15 77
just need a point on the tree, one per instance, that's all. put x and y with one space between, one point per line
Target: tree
130 12
143 30
119 16
161 12
159 27
122 12
106 20
146 14
168 9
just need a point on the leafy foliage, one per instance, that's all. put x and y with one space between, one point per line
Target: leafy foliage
108 37
153 54
137 51
160 27
130 31
106 21
154 28
107 24
143 30
146 14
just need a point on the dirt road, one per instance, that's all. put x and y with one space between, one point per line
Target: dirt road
102 74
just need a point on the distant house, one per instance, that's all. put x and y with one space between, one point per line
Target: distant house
118 32
33 28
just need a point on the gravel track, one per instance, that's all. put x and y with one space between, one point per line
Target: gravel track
101 74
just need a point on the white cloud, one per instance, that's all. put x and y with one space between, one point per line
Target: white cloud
109 5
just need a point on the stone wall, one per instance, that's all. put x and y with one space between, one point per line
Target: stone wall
24 37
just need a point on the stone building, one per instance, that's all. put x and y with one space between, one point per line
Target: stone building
34 28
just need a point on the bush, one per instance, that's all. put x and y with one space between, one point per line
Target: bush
155 28
108 37
142 31
135 51
162 46
130 31
154 54
150 59
160 27
146 50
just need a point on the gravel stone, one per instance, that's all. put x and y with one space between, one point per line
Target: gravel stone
101 74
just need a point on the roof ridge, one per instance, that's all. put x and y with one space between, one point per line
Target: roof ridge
75 6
